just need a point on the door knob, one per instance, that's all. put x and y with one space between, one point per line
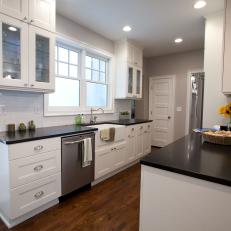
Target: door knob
169 117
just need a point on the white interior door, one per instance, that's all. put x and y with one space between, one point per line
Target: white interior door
161 109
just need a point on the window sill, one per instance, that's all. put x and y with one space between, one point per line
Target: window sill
87 112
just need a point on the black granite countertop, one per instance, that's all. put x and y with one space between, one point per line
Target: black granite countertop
122 122
43 133
190 156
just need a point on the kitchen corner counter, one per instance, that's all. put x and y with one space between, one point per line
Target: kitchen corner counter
190 156
43 133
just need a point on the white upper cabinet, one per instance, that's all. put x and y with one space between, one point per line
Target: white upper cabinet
41 62
15 8
227 50
27 45
13 52
129 62
42 14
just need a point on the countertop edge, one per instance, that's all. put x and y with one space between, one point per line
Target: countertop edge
188 173
47 136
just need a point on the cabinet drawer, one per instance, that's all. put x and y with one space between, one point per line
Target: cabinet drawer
31 196
30 148
28 169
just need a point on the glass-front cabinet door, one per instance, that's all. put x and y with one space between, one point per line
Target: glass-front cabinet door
138 91
130 81
41 59
14 52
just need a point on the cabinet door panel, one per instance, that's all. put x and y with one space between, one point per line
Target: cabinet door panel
139 140
13 52
41 63
131 145
42 14
138 83
119 156
103 162
15 8
138 57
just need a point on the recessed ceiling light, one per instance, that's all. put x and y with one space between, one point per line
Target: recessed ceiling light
200 4
178 40
11 28
127 28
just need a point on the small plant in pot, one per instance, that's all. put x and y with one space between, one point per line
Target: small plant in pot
124 115
226 112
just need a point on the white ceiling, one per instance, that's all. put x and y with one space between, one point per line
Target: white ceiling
155 23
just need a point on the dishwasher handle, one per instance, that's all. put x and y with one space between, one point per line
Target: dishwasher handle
73 142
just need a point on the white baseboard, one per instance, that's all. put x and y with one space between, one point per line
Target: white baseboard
11 223
103 178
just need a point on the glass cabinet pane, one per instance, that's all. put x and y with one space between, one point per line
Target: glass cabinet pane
11 50
42 59
130 80
138 81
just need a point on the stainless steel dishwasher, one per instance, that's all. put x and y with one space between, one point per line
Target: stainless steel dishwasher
74 176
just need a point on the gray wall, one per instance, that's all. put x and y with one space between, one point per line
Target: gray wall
176 64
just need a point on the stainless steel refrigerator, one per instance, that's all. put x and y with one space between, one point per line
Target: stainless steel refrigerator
196 102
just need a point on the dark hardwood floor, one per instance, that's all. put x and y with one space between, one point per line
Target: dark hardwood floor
109 206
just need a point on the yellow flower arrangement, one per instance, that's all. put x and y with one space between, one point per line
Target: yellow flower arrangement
226 111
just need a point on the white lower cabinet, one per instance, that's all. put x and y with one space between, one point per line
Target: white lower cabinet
131 144
30 178
139 140
114 156
109 159
147 139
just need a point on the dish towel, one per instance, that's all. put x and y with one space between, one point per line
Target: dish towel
87 152
107 134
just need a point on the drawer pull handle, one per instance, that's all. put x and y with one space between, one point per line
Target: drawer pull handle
148 126
38 168
38 148
132 129
145 132
38 195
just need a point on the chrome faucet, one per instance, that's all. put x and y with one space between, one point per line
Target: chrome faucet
92 120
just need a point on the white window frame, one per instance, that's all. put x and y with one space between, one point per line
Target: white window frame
83 109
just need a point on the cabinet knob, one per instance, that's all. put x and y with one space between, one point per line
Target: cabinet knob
38 168
25 84
38 195
24 19
32 85
38 148
31 21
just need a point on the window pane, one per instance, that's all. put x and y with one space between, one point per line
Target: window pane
95 75
56 52
63 69
88 62
73 71
102 77
66 93
95 64
88 74
96 95
56 68
102 66
73 57
63 54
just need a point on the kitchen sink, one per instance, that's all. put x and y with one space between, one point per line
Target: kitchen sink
120 133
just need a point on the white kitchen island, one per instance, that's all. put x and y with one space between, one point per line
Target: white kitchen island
186 187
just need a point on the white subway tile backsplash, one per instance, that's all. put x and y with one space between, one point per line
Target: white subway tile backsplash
16 107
